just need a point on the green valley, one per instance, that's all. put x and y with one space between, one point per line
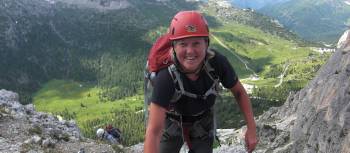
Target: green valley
81 102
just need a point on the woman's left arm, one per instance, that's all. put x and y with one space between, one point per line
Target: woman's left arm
243 101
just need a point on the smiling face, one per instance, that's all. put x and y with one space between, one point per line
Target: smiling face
190 52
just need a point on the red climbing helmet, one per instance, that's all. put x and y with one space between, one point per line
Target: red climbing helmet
188 24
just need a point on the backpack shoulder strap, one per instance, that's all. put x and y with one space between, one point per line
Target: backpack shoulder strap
214 89
175 75
208 67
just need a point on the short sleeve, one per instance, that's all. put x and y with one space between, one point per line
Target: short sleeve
227 74
163 89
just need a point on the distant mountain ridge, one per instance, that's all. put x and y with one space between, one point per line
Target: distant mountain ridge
102 5
256 4
251 18
317 20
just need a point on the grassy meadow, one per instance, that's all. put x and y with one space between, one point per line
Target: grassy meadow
80 101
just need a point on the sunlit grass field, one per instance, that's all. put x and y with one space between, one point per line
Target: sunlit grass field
81 99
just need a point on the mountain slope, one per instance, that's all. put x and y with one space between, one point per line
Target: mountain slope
317 20
102 42
250 18
255 41
42 40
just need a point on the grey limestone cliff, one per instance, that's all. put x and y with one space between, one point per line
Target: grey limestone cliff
317 118
22 129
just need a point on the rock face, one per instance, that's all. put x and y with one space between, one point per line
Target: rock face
317 118
25 130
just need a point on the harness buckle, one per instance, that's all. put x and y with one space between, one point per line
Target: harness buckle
203 97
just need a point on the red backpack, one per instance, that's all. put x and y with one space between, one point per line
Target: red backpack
158 58
160 54
115 132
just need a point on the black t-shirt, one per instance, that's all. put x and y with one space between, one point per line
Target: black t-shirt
164 87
